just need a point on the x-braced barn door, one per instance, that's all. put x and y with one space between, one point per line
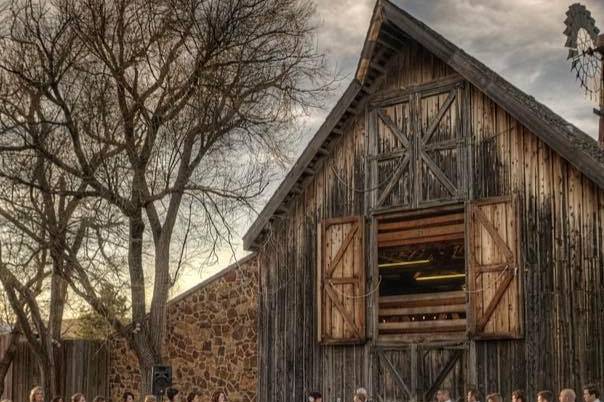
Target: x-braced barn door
416 372
418 148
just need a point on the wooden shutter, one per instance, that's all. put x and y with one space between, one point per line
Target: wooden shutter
493 269
341 281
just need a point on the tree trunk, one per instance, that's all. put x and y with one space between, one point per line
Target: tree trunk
8 357
48 377
158 321
146 360
58 295
141 339
146 368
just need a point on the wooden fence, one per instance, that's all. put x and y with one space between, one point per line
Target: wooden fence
83 367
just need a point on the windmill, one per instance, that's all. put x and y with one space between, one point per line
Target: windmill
586 54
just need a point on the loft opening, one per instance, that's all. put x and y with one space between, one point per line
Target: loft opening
421 263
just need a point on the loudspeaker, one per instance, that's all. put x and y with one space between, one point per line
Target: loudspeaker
162 379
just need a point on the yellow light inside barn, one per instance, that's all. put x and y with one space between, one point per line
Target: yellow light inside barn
438 277
404 263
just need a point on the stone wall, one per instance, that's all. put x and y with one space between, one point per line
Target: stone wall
211 341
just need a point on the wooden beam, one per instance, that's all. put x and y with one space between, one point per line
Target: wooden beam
394 179
387 155
399 95
423 296
442 375
449 308
422 240
395 374
344 281
402 137
494 234
439 116
424 326
443 145
342 250
421 222
417 233
440 175
388 45
433 338
343 312
486 316
323 151
423 303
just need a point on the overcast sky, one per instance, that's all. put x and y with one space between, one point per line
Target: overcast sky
520 39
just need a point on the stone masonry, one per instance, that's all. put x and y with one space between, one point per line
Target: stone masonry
211 341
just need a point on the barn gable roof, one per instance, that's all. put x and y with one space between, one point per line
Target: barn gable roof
390 27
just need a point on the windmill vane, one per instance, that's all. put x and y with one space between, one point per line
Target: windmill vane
585 57
586 54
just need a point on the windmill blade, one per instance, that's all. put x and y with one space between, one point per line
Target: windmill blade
578 18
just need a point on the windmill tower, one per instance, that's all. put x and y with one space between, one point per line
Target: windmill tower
586 53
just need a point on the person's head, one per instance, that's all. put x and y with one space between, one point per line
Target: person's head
57 399
567 395
173 395
99 398
194 396
518 396
219 396
361 395
315 397
494 397
36 394
150 398
473 395
128 397
78 397
590 393
443 395
545 396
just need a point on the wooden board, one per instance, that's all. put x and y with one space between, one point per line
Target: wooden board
494 268
341 281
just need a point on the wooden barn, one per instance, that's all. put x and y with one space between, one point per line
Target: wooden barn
441 229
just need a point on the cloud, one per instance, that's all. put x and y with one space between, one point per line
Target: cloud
520 39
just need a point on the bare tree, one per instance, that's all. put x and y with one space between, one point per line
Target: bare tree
31 261
159 104
43 216
23 273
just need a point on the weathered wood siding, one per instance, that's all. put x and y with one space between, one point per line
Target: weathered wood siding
292 363
562 246
562 216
